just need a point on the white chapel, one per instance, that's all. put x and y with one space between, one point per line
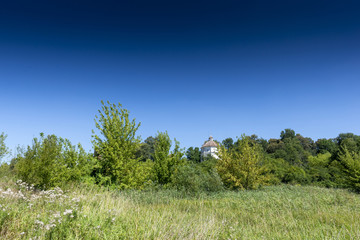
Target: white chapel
210 147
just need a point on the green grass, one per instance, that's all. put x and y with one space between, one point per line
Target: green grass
279 212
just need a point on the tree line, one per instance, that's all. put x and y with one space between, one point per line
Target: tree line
121 160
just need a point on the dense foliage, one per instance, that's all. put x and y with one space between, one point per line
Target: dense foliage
121 160
241 167
166 161
3 149
51 161
197 178
116 147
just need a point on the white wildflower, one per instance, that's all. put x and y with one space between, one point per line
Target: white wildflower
39 222
49 226
68 211
57 215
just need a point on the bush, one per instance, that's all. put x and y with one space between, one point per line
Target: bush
51 161
318 169
242 167
193 178
5 170
296 175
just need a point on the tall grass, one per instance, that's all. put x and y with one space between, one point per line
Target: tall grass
83 212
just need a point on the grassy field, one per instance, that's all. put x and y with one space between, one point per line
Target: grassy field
281 212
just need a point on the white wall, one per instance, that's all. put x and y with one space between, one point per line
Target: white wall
209 150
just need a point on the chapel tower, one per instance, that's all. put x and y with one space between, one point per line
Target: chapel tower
209 148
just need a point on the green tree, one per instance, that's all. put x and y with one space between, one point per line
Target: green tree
3 149
344 136
278 168
116 147
351 144
228 143
295 154
260 141
324 145
307 144
350 165
165 161
274 145
146 149
242 168
287 133
52 161
193 154
319 171
291 148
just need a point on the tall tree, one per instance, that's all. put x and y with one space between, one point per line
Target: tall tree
116 146
166 161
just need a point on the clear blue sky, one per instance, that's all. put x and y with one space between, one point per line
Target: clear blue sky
193 68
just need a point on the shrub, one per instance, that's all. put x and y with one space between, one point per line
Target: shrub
242 167
52 161
193 178
296 175
318 169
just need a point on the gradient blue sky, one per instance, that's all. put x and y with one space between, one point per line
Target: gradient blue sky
193 68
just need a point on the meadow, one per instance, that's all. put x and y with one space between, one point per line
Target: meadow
286 188
93 212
